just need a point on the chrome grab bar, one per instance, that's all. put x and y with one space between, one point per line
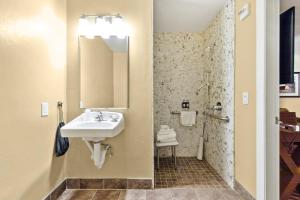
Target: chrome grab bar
178 112
225 119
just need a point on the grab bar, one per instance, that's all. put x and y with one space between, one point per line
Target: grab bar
178 112
225 119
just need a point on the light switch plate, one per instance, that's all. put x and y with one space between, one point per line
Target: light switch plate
245 98
81 104
44 109
244 12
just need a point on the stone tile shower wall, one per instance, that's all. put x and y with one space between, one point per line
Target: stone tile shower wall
180 63
178 75
220 37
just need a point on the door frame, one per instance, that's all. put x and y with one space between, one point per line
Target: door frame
267 99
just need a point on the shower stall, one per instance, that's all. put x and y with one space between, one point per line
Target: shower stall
197 66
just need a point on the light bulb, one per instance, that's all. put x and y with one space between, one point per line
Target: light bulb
120 28
83 24
103 27
86 27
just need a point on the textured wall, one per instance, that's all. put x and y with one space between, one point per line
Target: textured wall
181 62
133 148
32 70
178 75
220 35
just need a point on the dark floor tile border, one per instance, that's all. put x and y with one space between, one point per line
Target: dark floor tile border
57 191
242 191
114 183
86 184
139 184
78 183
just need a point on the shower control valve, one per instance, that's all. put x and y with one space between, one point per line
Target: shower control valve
185 104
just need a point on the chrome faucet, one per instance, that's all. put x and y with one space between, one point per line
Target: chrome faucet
100 117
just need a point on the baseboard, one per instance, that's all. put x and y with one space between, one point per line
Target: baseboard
80 183
98 184
242 191
57 191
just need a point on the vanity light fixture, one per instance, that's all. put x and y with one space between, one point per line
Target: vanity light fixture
104 26
120 28
86 27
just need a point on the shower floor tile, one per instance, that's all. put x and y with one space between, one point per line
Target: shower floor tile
190 172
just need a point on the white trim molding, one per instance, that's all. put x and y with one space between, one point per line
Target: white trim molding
267 97
260 99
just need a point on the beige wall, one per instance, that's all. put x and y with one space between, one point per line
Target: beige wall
96 73
133 149
245 115
32 70
292 104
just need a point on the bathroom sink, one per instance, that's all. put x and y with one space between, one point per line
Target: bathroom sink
90 125
94 128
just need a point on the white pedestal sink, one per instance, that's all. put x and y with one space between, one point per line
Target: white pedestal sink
93 128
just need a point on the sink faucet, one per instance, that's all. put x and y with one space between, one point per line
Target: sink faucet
100 117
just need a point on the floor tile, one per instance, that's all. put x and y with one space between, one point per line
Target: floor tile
159 194
133 195
59 190
139 184
231 195
91 184
190 172
183 194
73 183
209 194
115 184
107 195
77 195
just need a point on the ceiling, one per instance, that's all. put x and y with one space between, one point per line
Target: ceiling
185 15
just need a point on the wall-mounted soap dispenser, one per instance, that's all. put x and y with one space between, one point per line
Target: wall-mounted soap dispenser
218 107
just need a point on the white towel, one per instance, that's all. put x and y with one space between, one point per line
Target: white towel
188 118
165 132
164 127
166 137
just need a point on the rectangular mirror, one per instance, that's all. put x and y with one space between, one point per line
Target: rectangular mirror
104 72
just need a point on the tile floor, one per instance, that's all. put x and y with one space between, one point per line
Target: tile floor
193 180
190 172
157 194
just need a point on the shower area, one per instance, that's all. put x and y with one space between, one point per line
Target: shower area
195 65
